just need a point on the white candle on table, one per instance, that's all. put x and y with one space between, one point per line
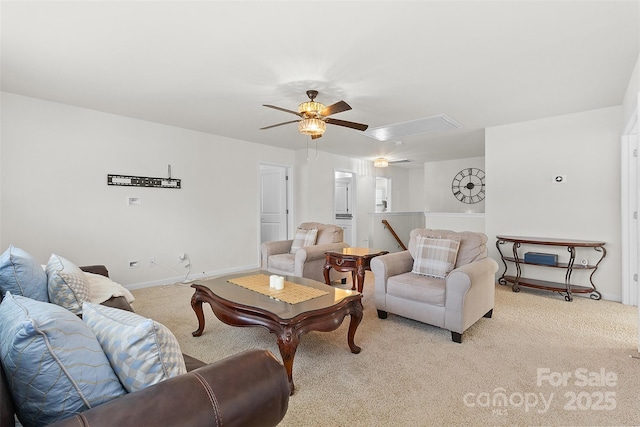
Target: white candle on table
279 282
272 281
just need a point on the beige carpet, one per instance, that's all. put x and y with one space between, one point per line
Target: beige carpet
411 374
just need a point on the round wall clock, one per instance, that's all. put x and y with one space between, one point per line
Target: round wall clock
468 185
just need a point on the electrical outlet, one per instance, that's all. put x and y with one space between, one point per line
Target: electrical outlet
134 264
152 261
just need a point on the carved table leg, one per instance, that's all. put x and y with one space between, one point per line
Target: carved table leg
360 275
288 340
196 304
327 267
356 318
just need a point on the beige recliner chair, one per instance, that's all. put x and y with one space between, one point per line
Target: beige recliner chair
454 302
306 261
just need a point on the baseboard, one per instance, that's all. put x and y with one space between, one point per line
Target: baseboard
191 278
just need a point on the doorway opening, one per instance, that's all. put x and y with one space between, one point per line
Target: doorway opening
344 204
383 194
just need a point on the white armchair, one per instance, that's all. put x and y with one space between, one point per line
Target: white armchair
455 302
307 261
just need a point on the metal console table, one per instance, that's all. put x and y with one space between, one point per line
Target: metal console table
566 288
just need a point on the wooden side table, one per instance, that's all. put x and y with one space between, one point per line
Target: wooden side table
355 260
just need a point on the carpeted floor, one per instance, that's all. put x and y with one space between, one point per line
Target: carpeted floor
508 371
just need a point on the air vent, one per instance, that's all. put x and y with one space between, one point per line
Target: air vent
432 124
395 162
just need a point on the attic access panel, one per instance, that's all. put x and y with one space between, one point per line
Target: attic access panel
431 124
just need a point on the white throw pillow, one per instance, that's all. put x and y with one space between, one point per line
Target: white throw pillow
101 288
142 352
435 257
303 239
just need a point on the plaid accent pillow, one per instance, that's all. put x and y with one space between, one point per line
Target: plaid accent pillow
303 239
435 257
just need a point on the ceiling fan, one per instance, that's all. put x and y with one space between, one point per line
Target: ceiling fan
314 116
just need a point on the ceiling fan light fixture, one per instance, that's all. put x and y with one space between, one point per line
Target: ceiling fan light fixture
313 127
311 108
315 116
381 162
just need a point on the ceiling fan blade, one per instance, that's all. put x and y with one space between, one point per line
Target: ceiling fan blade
338 107
352 125
279 124
283 109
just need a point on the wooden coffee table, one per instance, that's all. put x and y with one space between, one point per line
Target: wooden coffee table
355 260
239 306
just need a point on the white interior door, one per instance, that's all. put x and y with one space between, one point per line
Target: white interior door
342 197
273 203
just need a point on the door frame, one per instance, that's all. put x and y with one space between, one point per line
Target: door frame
629 197
630 200
289 201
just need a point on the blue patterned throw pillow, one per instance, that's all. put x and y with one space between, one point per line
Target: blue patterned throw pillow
20 274
142 352
67 284
53 363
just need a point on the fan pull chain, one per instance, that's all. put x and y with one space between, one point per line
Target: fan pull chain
308 149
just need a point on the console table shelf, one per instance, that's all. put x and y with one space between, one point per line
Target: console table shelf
558 265
565 288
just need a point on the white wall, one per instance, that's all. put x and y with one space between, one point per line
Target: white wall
455 221
53 174
522 198
416 190
438 177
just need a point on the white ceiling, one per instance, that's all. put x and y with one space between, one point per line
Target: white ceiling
210 65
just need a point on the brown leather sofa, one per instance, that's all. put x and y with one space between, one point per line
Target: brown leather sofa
247 389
